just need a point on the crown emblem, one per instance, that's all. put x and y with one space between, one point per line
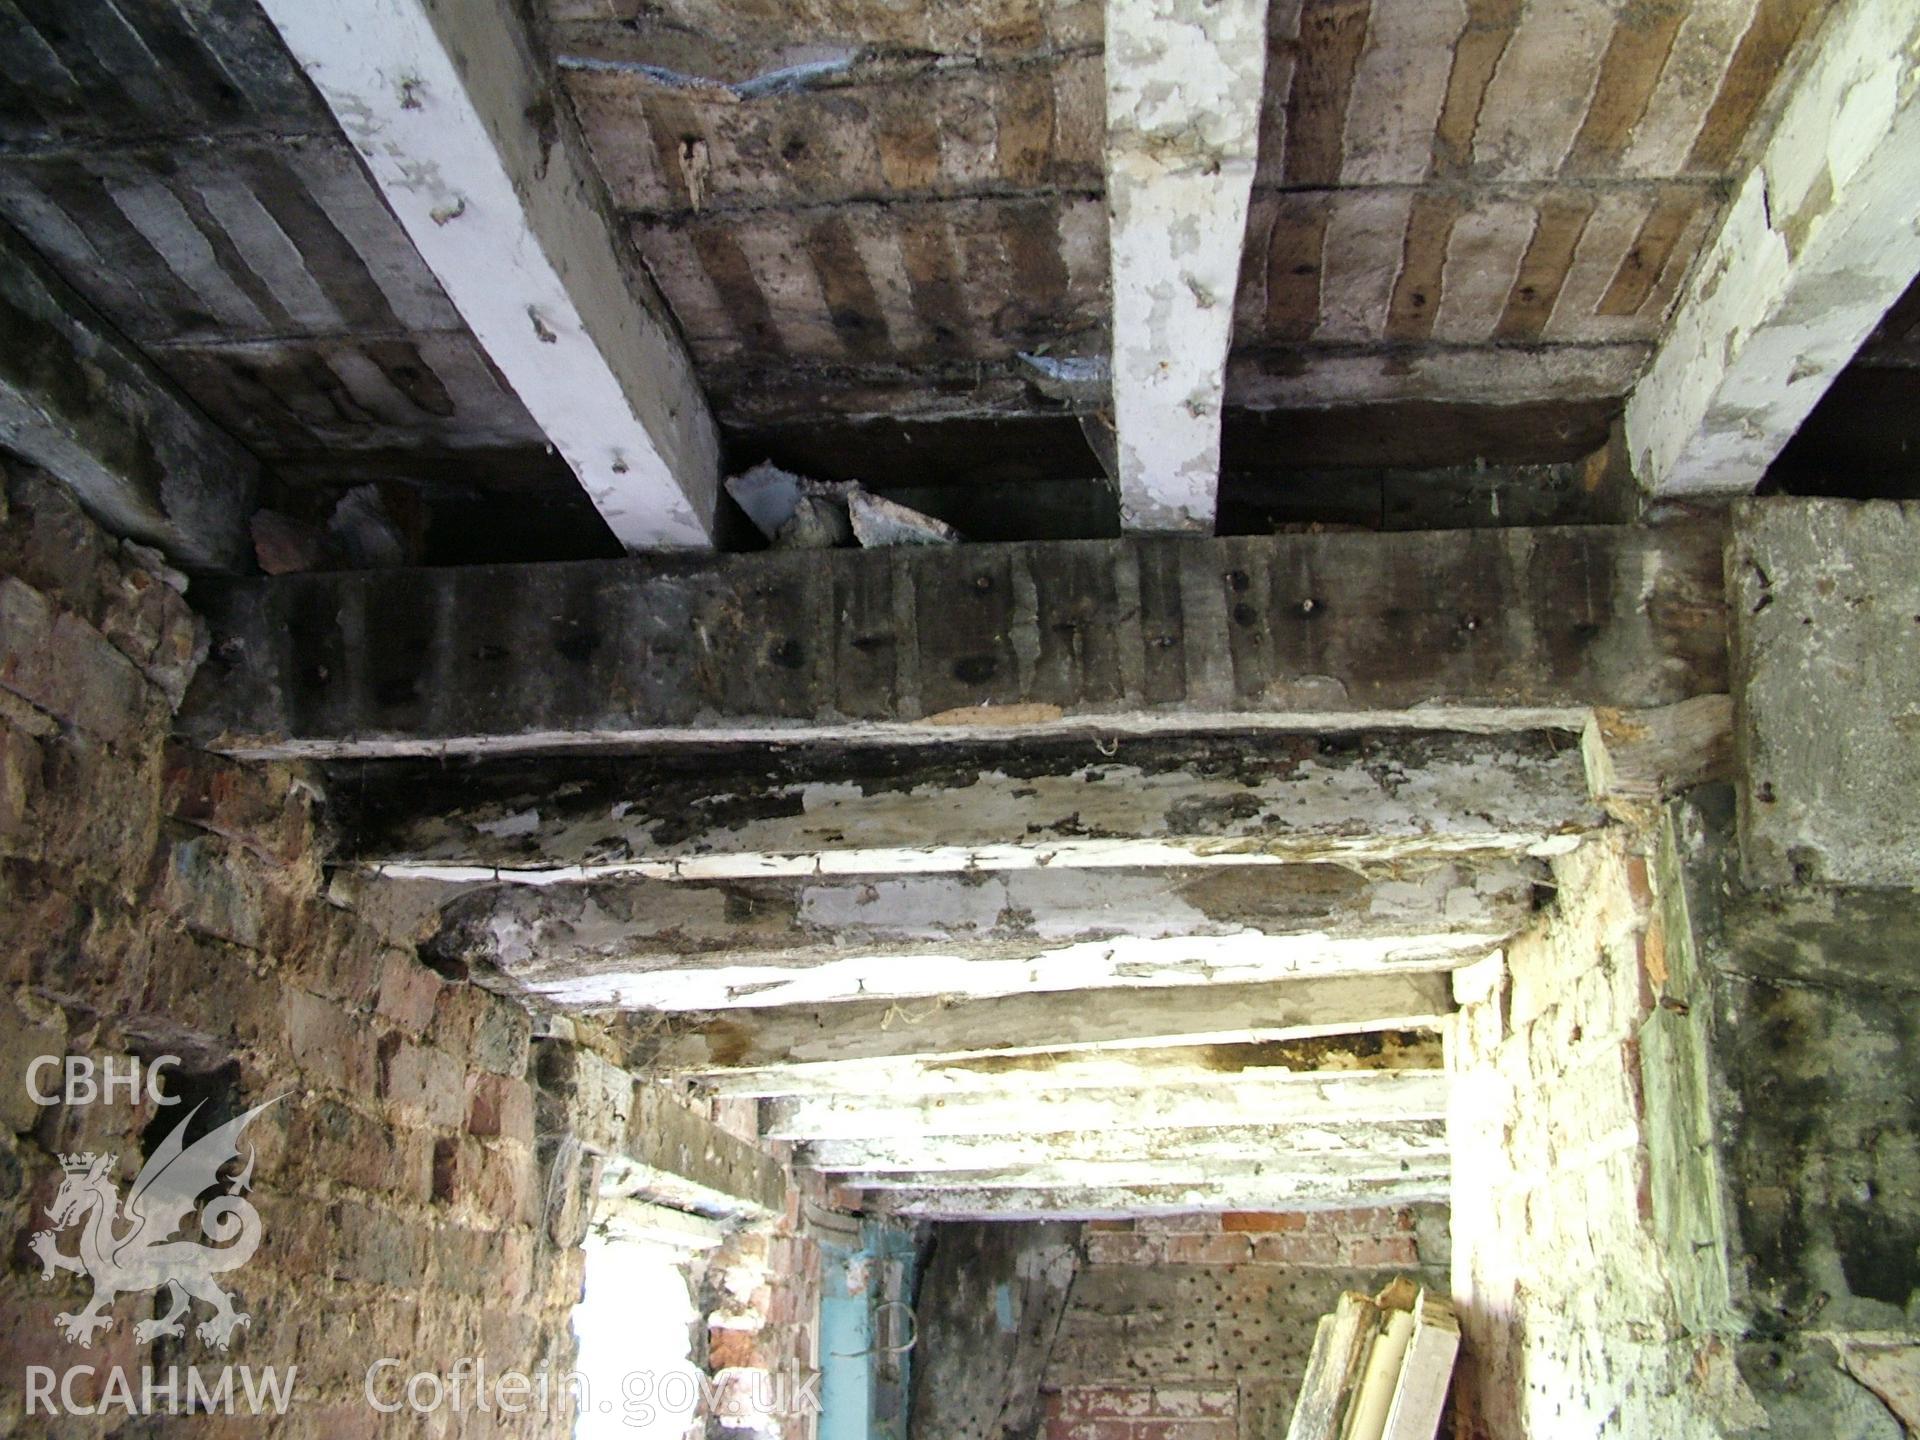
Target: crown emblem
81 1164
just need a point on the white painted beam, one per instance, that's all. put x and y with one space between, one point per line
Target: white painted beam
1184 83
1321 1098
460 131
1278 1169
1011 1078
1146 962
1418 797
677 945
1391 1140
1120 1201
1821 238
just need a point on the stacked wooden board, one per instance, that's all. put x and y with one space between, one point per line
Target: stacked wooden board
1380 1367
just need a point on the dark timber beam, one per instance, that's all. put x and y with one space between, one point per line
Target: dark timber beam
81 403
1488 629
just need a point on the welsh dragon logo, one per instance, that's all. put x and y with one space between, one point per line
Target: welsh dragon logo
130 1248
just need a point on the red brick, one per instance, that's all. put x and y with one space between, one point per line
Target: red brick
1384 1250
1090 1402
1114 1225
1639 886
421 1083
1207 1249
730 1349
20 764
1178 1225
257 807
1200 1429
1261 1220
500 1107
379 1246
330 1046
1109 1249
328 1138
1182 1402
408 992
1302 1249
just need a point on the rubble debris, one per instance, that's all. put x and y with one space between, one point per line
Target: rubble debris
819 522
768 494
1079 380
362 533
798 513
878 523
283 545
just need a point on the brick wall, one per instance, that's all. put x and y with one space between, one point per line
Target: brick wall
761 1294
1198 1327
158 900
1565 1293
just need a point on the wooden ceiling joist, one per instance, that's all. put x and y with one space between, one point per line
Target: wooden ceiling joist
1314 1098
1121 1201
1276 1168
1818 242
1050 1071
1158 802
1394 1139
1017 1024
445 104
1184 85
671 945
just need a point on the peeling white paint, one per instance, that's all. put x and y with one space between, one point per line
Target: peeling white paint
1244 1099
1822 237
1131 962
1184 85
1110 815
1374 1141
